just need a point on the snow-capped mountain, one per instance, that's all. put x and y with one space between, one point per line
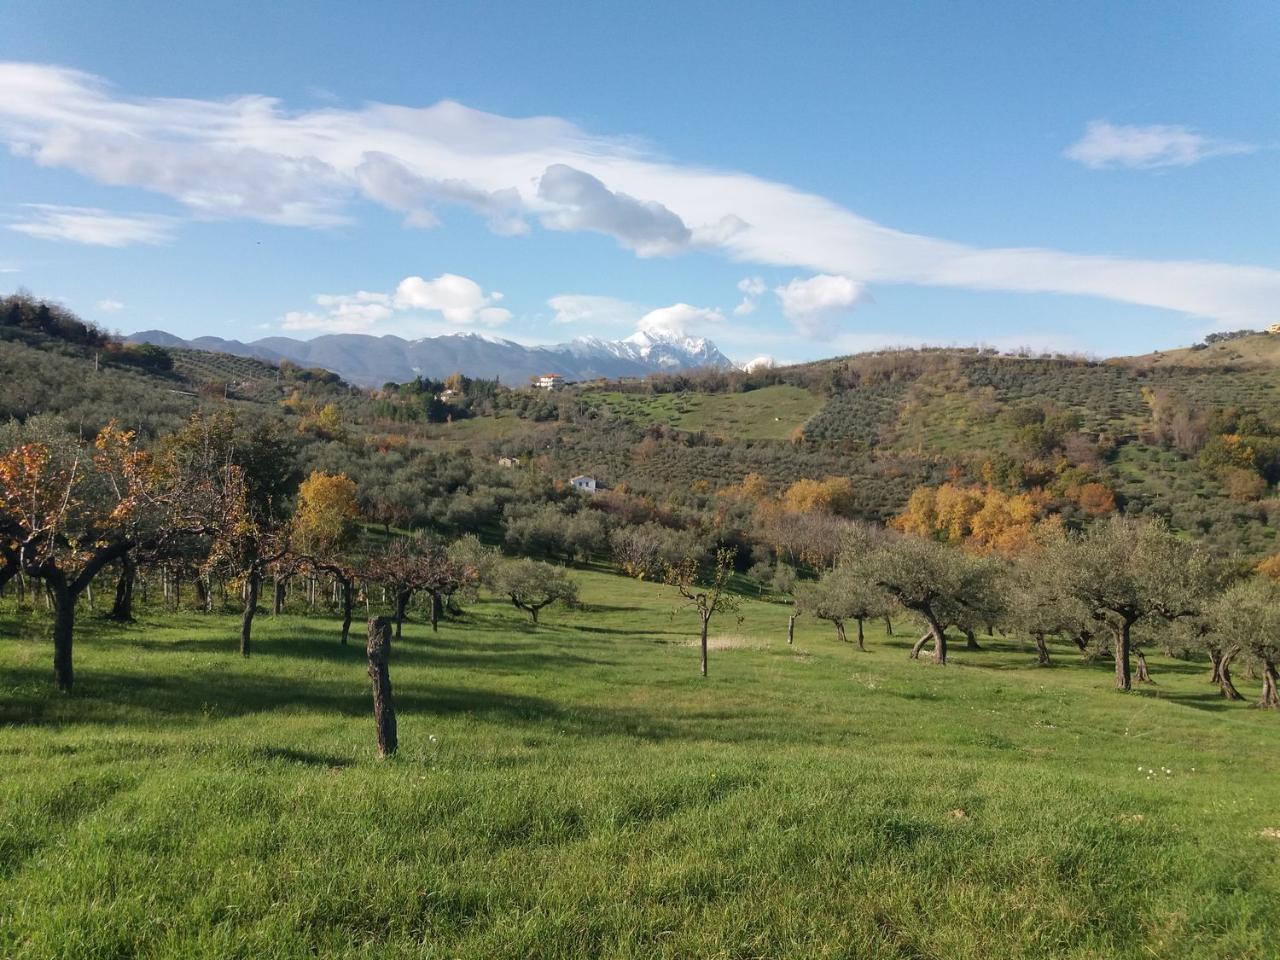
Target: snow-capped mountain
373 361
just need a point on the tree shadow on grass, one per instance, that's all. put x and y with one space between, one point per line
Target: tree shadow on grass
439 650
125 699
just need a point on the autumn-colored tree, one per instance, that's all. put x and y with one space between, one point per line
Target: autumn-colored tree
238 480
1094 499
753 489
1270 566
68 509
324 528
832 495
987 519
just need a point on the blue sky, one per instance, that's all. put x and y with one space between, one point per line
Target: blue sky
794 180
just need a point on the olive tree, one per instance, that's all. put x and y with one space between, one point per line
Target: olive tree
532 585
936 583
841 595
1247 619
1122 572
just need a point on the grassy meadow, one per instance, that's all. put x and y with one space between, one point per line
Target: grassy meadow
769 413
576 790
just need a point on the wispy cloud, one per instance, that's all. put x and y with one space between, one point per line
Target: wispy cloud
583 308
109 306
1107 145
250 157
91 226
751 289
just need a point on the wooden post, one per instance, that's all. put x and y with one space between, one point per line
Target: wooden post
384 711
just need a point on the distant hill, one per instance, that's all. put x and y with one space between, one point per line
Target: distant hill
372 361
1251 350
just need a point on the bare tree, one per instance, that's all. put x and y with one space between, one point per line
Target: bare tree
709 594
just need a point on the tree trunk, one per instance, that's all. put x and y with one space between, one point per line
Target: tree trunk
346 610
919 644
202 592
791 629
1223 669
840 635
533 612
1042 650
437 607
122 608
64 625
705 618
402 601
861 644
1143 675
970 641
939 640
277 603
378 649
1123 681
252 585
1270 697
888 626
1215 665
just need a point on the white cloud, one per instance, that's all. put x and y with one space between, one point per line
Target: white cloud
817 304
387 181
460 300
763 362
92 226
586 308
110 306
679 320
250 157
1106 145
9 268
751 288
342 313
580 201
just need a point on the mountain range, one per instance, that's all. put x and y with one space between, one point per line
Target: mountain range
372 361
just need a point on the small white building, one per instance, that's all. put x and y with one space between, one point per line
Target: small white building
584 483
549 381
508 461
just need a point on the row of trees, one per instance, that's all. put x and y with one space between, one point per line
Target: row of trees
1113 587
217 500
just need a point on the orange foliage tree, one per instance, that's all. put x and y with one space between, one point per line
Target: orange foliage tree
68 509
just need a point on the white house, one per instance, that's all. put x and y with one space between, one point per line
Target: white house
549 381
584 483
508 461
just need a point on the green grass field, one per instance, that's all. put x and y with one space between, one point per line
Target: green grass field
578 791
770 413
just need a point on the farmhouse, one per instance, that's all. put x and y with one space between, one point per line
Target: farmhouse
1274 328
549 381
508 461
584 483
